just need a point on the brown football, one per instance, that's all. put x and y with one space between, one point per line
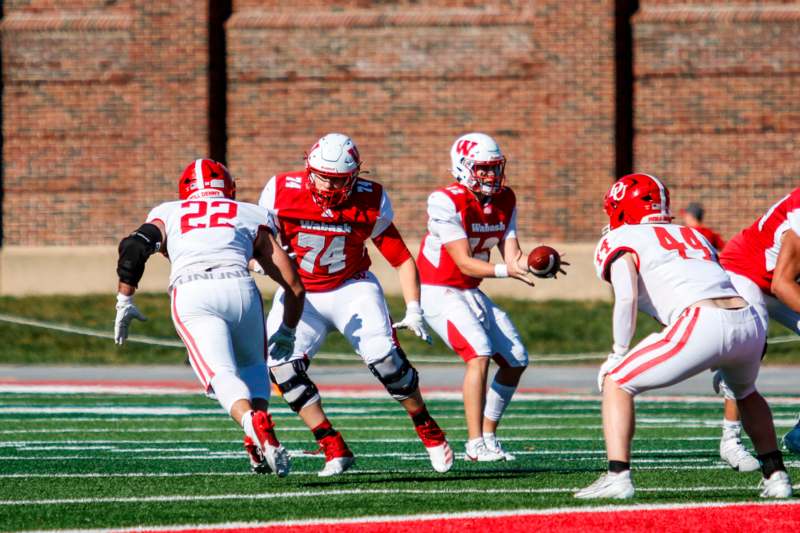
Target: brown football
544 262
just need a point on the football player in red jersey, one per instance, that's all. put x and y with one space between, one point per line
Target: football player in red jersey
465 221
325 213
763 261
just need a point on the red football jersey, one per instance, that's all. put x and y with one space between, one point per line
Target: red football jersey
330 243
454 212
753 252
711 236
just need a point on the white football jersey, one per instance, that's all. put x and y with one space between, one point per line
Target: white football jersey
677 267
209 233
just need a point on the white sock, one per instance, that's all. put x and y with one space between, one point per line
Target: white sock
731 429
497 399
490 439
247 426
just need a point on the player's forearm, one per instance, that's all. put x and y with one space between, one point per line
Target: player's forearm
293 302
510 249
624 281
409 280
476 268
788 292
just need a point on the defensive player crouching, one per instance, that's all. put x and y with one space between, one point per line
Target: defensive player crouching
671 273
325 214
763 261
465 221
216 307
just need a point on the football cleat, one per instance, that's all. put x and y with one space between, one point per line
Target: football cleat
338 457
618 486
777 486
480 453
439 451
494 445
275 455
258 464
791 441
733 452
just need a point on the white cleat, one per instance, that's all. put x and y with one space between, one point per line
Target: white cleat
733 452
441 457
480 453
493 445
278 459
336 466
612 486
777 486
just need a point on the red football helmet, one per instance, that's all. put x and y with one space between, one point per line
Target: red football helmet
637 199
205 178
334 156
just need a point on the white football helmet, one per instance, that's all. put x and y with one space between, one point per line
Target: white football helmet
477 151
333 156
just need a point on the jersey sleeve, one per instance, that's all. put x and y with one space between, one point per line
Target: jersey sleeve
161 212
793 211
444 220
608 250
267 199
385 216
511 230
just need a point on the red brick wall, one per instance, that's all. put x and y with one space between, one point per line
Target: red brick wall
717 103
104 103
404 81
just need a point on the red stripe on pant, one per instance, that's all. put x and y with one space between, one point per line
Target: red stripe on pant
649 348
459 343
191 346
668 355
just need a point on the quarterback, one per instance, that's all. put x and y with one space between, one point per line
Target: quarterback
763 261
325 214
209 238
466 220
671 273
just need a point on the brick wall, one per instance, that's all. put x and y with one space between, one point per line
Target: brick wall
404 81
717 103
104 103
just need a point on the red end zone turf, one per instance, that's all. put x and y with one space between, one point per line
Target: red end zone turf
730 518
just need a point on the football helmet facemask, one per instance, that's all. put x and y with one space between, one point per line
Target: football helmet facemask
478 164
206 178
333 159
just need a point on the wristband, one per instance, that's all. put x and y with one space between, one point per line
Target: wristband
124 298
286 328
500 270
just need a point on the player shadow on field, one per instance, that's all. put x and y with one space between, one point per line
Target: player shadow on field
353 477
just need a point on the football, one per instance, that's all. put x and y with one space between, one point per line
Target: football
544 262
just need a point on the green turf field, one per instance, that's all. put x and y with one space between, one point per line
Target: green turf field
554 327
114 461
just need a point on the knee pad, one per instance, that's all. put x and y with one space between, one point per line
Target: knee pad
396 373
296 387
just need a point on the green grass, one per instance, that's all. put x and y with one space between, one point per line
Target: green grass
91 459
554 327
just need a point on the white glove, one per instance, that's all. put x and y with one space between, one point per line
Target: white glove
126 312
612 360
413 321
281 343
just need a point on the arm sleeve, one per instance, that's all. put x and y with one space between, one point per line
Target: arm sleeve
390 244
267 199
385 216
624 280
511 230
160 212
443 220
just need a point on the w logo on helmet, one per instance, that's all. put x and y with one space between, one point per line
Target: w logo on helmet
617 191
465 147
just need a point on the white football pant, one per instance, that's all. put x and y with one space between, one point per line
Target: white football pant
357 309
701 338
221 322
472 325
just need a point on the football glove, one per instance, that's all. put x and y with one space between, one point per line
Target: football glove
611 361
413 321
281 343
126 312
